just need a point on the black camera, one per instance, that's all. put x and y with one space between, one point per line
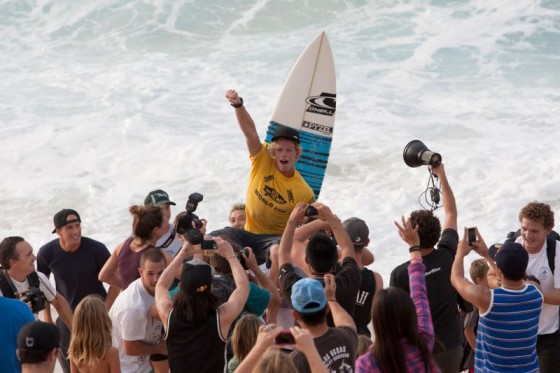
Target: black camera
311 211
187 223
37 299
240 257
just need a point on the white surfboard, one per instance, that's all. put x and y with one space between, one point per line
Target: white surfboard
307 103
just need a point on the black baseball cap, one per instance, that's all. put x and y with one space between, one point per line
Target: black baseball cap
38 335
512 260
286 133
60 219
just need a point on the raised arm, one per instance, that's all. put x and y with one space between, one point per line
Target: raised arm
478 295
339 314
245 122
306 344
342 239
233 307
448 198
163 299
303 232
417 280
286 242
265 340
265 283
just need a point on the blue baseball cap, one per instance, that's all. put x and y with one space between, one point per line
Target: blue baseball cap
308 296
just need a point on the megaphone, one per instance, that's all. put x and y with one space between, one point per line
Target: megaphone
416 154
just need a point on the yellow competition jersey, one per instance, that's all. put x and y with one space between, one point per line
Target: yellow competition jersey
271 196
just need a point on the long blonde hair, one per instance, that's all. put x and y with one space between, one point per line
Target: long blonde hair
91 332
275 361
244 335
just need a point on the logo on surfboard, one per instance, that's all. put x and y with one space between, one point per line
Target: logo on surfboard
325 104
317 128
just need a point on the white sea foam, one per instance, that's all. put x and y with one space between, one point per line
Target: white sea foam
102 101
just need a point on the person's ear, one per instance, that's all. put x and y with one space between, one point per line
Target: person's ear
295 315
53 355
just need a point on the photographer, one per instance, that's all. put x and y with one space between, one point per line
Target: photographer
20 280
196 326
263 294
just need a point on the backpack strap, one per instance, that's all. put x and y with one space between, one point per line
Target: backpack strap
551 252
550 245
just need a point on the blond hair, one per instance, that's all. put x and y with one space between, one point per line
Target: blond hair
479 269
363 345
244 335
275 361
91 332
271 148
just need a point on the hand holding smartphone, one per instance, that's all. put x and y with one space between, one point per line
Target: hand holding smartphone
209 245
471 236
285 338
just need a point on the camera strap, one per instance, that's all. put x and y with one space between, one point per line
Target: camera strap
7 286
168 241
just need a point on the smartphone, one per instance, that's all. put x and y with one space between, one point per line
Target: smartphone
285 338
208 245
471 236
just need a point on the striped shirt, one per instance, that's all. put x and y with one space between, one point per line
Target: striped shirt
507 332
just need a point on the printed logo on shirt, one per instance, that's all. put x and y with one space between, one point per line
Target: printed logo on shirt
268 178
543 273
290 195
432 271
272 193
335 354
362 297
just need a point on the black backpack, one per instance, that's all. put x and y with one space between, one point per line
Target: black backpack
550 245
7 287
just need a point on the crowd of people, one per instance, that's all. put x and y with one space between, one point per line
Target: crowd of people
285 288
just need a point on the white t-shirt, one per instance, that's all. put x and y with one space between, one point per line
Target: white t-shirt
538 267
44 285
131 322
175 245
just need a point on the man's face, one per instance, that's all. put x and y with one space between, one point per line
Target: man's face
166 210
70 234
285 155
150 274
25 262
237 218
534 235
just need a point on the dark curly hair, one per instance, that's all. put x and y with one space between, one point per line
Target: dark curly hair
539 213
429 227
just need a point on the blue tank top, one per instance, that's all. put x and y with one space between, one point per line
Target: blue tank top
507 333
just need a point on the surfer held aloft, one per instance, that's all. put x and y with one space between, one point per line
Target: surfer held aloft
275 186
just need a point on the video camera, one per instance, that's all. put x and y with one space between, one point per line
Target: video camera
187 223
